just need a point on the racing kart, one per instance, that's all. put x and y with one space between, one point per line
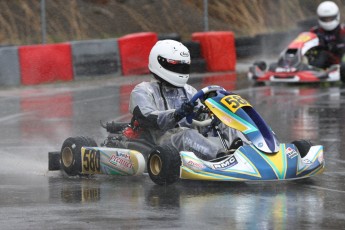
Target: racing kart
293 64
127 150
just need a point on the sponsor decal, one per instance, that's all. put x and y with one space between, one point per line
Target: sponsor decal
226 119
184 54
291 153
307 161
123 155
285 70
231 161
195 165
115 160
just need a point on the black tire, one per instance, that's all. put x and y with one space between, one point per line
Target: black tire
342 72
247 47
91 142
194 49
261 64
71 154
198 65
163 165
303 146
54 161
171 36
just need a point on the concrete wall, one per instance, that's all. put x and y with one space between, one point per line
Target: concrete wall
9 66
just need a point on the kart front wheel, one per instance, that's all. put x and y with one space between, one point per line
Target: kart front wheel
303 146
71 154
163 165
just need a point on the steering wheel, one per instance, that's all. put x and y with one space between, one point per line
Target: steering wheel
201 94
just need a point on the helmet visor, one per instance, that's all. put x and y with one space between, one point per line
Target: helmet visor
328 18
177 66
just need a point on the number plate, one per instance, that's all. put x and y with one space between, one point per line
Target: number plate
234 102
90 161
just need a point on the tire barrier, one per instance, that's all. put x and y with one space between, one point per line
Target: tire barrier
218 49
274 43
246 47
45 63
128 55
9 67
171 36
194 48
134 52
198 63
263 44
95 58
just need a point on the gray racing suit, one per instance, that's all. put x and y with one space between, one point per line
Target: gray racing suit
153 105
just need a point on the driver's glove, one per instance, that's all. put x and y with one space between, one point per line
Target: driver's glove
215 122
186 109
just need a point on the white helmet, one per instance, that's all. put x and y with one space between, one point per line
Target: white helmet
170 60
329 16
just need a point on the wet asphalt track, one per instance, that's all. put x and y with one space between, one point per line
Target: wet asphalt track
35 120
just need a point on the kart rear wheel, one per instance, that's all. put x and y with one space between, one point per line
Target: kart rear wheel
70 155
163 165
303 146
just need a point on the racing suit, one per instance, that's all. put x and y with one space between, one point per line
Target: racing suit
153 105
332 45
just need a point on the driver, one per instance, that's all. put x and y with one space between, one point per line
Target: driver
331 35
161 105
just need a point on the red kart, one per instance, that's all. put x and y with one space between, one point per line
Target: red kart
293 64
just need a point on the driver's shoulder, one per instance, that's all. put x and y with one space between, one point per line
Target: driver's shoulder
147 87
190 89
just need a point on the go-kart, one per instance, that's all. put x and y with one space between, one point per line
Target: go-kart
127 150
293 64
